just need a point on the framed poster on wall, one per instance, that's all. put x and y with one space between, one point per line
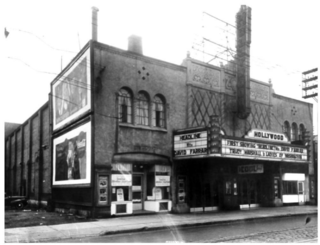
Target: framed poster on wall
103 185
72 157
72 91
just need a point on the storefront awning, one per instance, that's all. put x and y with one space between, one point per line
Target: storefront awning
141 158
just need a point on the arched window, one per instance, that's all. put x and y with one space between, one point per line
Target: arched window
301 132
287 129
294 132
158 112
125 106
142 109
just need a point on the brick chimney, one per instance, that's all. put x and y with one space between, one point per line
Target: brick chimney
243 61
135 44
95 23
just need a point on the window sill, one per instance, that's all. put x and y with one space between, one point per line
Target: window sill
143 127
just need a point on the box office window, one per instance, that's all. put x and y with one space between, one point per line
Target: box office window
120 193
290 187
231 187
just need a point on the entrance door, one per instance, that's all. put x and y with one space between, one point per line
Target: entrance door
137 192
301 192
249 192
244 192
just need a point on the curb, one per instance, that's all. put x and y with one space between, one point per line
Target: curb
162 227
203 223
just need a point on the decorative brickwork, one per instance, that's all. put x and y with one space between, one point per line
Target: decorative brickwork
259 117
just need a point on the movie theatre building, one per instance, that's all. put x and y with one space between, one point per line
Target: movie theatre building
244 145
217 172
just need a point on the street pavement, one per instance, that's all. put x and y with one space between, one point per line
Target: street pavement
298 235
147 223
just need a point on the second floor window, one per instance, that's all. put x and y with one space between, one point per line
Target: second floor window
125 106
158 112
301 132
294 132
142 114
287 129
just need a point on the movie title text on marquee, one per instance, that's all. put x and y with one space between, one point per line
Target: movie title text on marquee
190 144
263 151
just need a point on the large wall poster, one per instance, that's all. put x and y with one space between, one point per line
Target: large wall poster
71 93
72 157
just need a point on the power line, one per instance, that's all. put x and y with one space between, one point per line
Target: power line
219 19
60 77
30 33
78 105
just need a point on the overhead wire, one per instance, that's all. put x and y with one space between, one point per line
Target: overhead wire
108 116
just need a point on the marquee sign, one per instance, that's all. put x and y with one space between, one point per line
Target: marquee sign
237 148
266 135
190 144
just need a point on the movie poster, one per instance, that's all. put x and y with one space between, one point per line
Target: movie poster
72 157
71 93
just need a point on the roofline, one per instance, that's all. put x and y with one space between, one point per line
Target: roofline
135 55
45 105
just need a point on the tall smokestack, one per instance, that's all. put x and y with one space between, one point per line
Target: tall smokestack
243 61
95 23
135 44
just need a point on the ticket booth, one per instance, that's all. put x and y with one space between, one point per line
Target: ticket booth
158 189
121 183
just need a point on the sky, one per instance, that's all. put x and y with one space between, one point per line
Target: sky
45 35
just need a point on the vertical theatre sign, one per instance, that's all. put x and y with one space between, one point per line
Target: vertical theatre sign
71 92
214 139
72 157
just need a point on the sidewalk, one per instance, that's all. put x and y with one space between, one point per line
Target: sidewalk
147 222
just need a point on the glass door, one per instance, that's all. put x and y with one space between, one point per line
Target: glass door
137 192
301 192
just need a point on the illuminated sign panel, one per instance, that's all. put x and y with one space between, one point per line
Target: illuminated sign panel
266 135
237 148
190 144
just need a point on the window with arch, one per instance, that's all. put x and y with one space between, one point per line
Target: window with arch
125 106
301 132
158 112
287 129
294 132
142 115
